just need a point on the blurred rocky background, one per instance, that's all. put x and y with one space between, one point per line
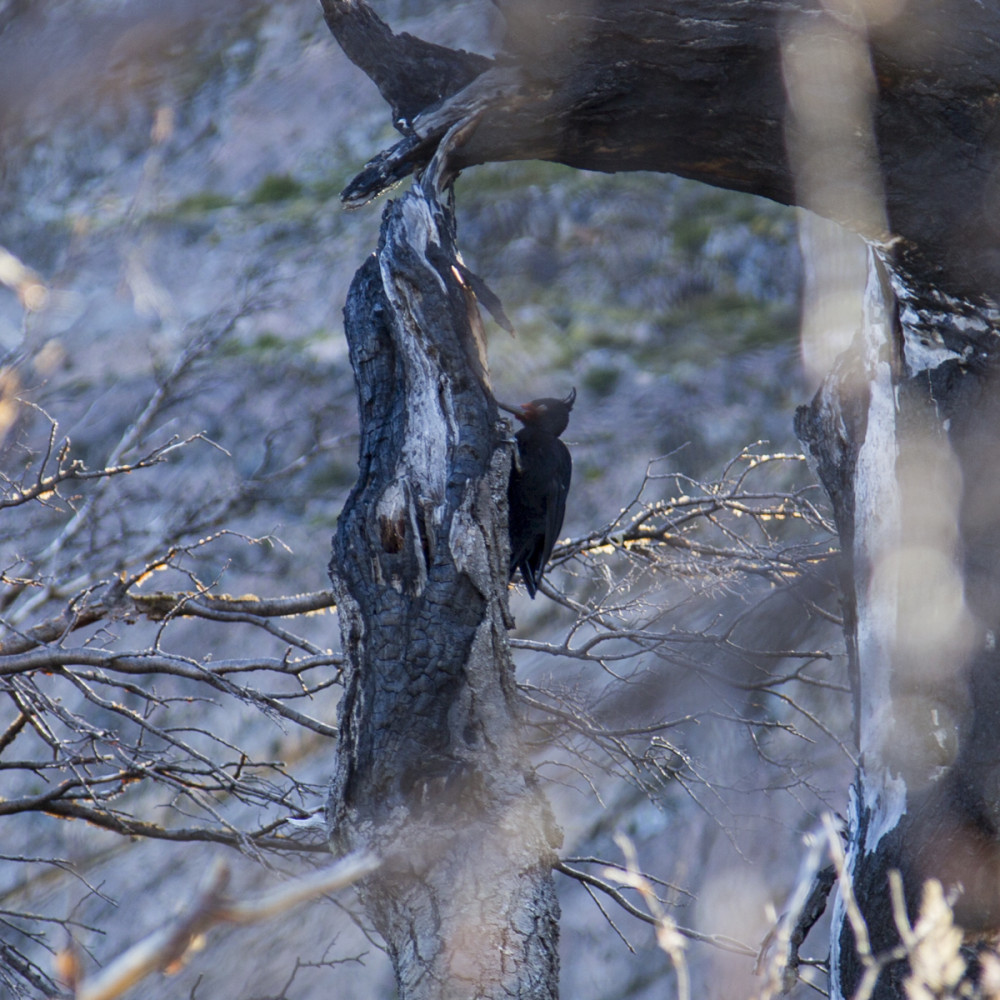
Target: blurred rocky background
170 171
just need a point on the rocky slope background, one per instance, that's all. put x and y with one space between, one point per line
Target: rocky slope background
171 171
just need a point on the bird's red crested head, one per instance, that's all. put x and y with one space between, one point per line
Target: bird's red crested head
530 412
548 414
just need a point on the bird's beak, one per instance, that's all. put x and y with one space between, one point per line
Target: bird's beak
517 411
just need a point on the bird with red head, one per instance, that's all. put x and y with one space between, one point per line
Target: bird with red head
539 483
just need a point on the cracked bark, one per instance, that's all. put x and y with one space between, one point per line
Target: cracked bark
905 432
430 773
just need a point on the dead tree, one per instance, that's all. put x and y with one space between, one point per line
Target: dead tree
430 772
879 115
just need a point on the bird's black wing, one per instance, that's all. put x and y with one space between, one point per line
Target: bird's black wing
526 511
537 496
562 473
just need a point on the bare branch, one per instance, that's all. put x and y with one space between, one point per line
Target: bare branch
716 940
165 949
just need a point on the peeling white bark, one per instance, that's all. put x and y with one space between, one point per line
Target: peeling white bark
877 537
431 430
915 634
877 527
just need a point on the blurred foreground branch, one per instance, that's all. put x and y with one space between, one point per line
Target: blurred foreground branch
27 284
166 950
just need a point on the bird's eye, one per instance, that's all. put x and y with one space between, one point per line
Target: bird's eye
542 408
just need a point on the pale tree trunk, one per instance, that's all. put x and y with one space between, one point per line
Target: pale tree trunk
882 117
430 773
910 454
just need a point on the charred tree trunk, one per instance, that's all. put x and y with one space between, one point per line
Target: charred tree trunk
911 458
882 117
430 774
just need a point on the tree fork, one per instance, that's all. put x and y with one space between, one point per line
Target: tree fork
430 772
905 434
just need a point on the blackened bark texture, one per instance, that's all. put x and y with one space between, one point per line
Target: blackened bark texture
905 434
431 72
430 774
699 89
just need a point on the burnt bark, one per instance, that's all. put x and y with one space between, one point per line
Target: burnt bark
700 90
430 774
905 433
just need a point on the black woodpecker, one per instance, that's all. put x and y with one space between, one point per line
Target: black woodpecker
539 482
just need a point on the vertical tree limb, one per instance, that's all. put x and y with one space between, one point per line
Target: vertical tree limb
430 773
909 455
